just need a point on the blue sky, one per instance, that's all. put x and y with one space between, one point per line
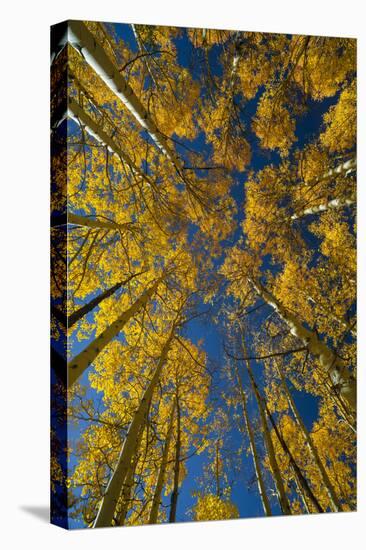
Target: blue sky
243 496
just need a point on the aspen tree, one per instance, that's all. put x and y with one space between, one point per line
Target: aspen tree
98 59
281 492
162 470
129 481
110 498
85 358
85 309
154 152
175 493
253 447
332 364
336 506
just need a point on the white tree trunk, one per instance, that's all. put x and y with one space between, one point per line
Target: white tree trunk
76 112
126 491
281 493
333 204
344 170
113 491
162 470
85 221
85 358
253 448
334 501
89 306
129 480
97 58
332 364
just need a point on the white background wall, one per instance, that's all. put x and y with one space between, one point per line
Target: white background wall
24 218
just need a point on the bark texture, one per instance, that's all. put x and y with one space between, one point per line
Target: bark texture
333 365
162 470
109 502
87 308
280 488
335 504
85 358
98 59
253 448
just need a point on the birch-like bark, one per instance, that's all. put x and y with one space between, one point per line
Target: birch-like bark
87 308
162 470
76 111
300 492
109 502
333 204
280 488
332 364
342 170
298 474
264 410
85 358
234 72
129 480
97 58
175 493
127 490
334 501
253 448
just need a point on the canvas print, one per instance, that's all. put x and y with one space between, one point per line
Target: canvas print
203 274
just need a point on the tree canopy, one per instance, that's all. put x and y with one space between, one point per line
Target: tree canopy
203 214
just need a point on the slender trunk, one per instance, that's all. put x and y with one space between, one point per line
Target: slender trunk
333 365
341 406
87 308
343 169
334 501
303 481
129 480
111 496
162 470
175 493
142 49
126 491
85 358
97 58
281 493
234 72
253 448
96 131
301 492
332 204
86 221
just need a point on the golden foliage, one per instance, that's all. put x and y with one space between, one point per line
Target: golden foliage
143 218
212 508
340 120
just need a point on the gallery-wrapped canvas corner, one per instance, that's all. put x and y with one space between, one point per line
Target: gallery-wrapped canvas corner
203 274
